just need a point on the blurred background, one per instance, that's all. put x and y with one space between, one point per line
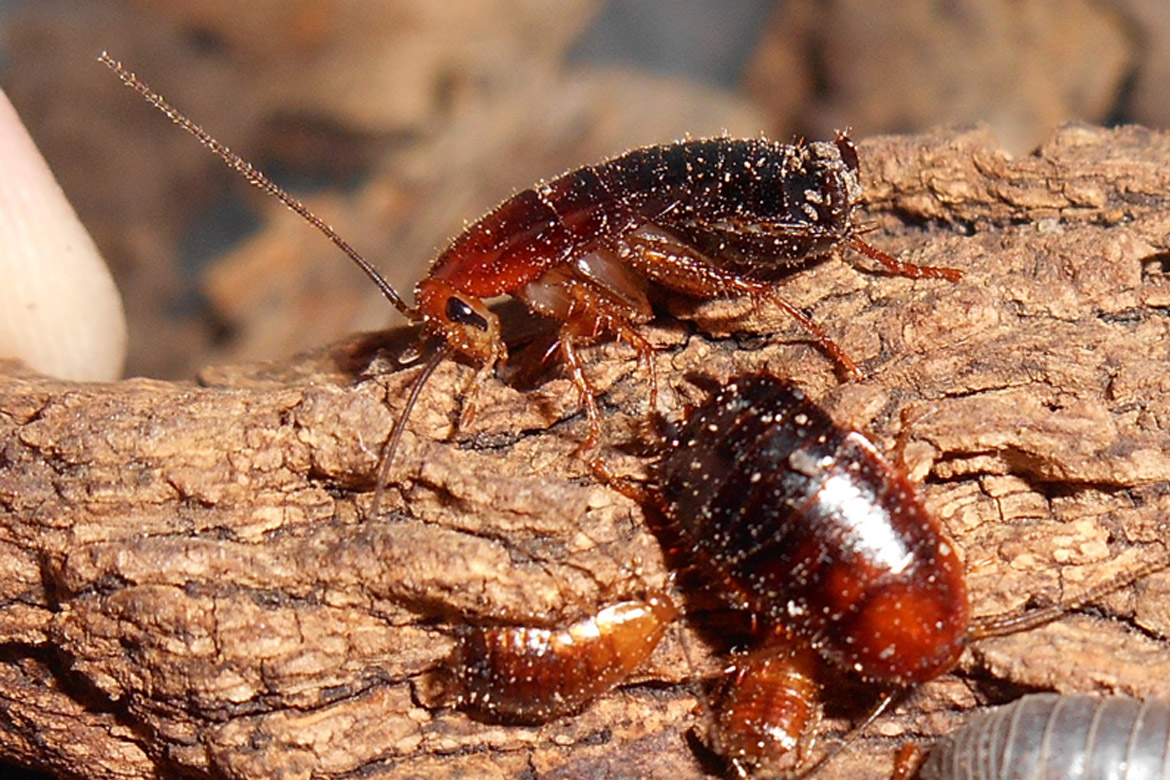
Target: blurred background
400 120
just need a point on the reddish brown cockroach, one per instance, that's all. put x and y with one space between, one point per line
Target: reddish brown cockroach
531 674
705 218
806 526
764 713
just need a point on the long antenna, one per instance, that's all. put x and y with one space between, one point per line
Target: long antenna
258 179
1002 624
400 427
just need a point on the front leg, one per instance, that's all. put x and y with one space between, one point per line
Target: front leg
589 448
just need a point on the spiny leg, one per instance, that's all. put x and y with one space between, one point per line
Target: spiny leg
645 352
824 340
901 268
910 417
592 315
1005 623
588 448
468 409
670 261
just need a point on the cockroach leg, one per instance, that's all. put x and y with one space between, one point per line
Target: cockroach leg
468 407
630 488
671 262
824 341
901 268
909 419
645 351
907 760
588 448
1005 623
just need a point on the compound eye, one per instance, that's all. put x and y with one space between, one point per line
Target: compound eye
460 313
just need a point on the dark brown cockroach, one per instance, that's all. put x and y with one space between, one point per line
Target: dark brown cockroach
1045 735
530 674
806 526
705 218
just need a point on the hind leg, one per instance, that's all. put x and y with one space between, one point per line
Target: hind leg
824 340
676 265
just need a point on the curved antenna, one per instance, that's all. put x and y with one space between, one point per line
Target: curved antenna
400 426
257 178
1003 624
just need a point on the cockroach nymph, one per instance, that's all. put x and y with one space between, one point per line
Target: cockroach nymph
531 674
704 218
765 711
807 527
1046 735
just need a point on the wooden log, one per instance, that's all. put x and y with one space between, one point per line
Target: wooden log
194 584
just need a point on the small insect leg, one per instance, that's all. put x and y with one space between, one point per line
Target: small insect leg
589 447
631 489
668 260
900 268
468 409
1003 624
907 760
824 341
910 418
645 352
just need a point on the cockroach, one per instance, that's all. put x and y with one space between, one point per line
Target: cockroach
1046 735
806 526
530 674
764 715
705 218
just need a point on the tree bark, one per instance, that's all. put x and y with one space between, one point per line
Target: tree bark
195 584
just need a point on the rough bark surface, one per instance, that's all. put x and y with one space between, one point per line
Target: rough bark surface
193 583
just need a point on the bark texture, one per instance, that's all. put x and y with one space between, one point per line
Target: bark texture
193 584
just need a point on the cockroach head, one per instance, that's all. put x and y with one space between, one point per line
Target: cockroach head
462 321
